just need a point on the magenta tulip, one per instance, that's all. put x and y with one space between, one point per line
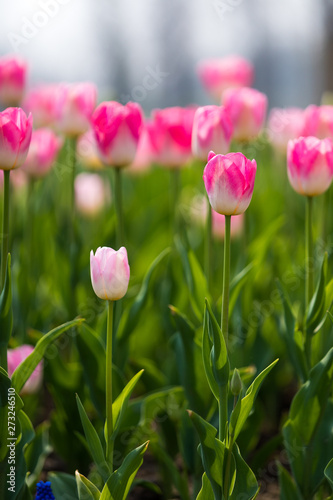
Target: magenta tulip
110 273
15 137
217 75
212 130
310 165
117 130
284 125
43 151
15 358
229 182
13 75
246 108
318 122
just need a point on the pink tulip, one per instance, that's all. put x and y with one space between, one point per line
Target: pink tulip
109 272
117 130
310 165
284 125
247 110
229 182
318 122
15 136
87 151
145 153
43 151
13 75
15 358
74 107
91 194
171 136
42 103
217 75
212 130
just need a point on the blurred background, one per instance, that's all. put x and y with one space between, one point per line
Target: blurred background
147 50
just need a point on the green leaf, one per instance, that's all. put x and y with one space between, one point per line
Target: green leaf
237 284
6 313
120 404
246 486
60 483
317 305
288 486
94 442
329 472
26 368
238 418
206 492
36 452
121 480
212 453
85 488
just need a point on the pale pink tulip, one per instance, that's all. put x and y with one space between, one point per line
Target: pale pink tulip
217 75
246 108
284 125
310 165
117 130
43 151
145 153
15 137
229 182
87 151
109 272
13 75
91 194
318 122
15 358
42 101
212 130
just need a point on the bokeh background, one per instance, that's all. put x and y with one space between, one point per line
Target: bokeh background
147 50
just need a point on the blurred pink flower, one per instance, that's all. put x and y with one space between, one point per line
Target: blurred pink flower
87 151
13 75
212 130
110 272
15 136
246 108
117 130
92 194
41 102
15 358
318 122
145 154
171 135
43 151
216 75
284 125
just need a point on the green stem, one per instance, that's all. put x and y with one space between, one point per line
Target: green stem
119 208
109 417
5 227
227 471
209 247
223 411
73 240
309 273
175 191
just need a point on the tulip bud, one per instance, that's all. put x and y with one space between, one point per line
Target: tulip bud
246 108
229 182
13 75
310 165
15 136
236 383
109 272
212 130
15 358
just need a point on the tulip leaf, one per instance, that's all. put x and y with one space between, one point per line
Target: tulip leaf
6 313
93 441
317 305
62 482
246 486
288 486
206 492
120 482
329 472
238 418
237 284
36 452
85 488
26 368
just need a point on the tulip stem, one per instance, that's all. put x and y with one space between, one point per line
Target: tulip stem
309 274
73 239
5 227
109 416
209 246
175 190
118 199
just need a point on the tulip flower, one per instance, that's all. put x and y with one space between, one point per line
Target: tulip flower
15 136
229 182
246 108
74 107
91 194
13 75
318 122
217 75
310 165
15 358
87 152
41 101
145 153
43 151
284 125
212 130
110 275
